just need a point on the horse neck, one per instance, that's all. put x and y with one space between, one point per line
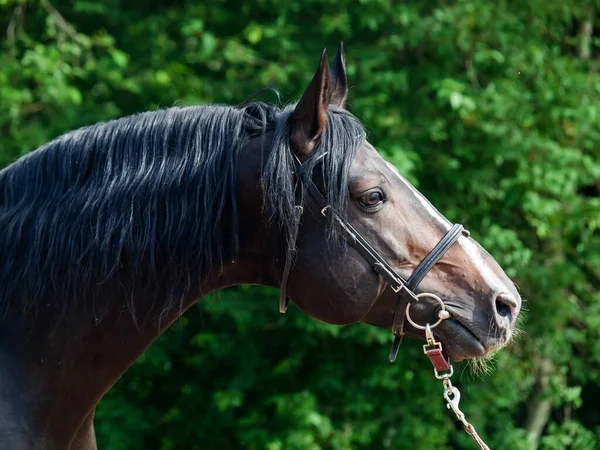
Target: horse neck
97 352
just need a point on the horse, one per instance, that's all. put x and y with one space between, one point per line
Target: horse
111 232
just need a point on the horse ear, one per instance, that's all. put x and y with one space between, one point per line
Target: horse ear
308 120
339 82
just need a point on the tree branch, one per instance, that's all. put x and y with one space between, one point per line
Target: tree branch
12 25
540 406
61 22
586 31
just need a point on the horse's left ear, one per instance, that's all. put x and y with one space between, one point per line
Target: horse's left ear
308 120
339 82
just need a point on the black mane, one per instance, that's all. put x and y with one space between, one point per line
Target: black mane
145 202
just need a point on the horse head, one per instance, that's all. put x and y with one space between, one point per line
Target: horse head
339 188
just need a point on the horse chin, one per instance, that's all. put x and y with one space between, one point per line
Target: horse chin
459 342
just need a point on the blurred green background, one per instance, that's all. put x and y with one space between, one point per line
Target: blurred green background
492 110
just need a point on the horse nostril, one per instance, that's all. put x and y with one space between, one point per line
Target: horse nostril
503 309
506 306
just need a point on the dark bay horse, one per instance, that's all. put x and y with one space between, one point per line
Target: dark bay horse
109 233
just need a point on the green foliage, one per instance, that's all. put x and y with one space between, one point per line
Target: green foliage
491 108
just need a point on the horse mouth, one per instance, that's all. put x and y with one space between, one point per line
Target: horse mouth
459 341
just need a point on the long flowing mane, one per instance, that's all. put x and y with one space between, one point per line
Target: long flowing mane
146 204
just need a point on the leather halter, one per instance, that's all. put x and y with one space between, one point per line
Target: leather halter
404 288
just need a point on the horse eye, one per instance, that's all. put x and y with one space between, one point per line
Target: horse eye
371 199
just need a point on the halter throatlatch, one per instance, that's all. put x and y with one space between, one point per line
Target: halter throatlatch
442 367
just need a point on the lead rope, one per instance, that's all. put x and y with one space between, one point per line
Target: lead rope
433 350
442 368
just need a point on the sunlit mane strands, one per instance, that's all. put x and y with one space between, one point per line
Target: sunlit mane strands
146 203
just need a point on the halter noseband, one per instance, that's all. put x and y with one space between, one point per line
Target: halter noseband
404 288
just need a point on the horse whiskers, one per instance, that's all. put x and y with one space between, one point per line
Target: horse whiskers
482 365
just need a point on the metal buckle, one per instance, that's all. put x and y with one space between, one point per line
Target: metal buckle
430 346
443 375
399 288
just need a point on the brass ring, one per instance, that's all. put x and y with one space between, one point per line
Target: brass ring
442 314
